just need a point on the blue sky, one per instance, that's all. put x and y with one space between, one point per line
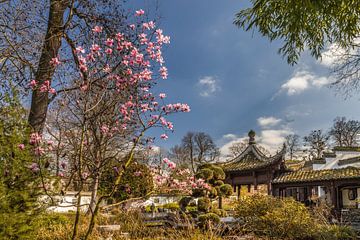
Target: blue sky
235 80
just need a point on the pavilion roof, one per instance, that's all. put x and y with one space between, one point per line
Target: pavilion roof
252 158
318 175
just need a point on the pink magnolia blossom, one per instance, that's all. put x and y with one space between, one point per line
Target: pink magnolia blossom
163 72
34 167
97 29
63 165
108 51
52 91
139 12
137 173
21 146
104 129
95 48
39 151
162 95
79 49
33 84
109 42
35 138
164 136
55 62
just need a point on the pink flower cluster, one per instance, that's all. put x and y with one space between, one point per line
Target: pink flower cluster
55 62
44 87
35 138
34 167
169 163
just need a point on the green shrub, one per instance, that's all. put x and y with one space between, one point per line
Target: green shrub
336 232
208 219
204 204
277 218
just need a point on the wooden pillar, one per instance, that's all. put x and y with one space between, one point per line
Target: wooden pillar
340 198
239 191
249 188
255 181
333 194
234 187
269 187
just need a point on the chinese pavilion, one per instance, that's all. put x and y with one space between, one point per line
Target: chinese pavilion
252 167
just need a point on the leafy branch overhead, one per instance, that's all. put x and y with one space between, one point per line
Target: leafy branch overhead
301 25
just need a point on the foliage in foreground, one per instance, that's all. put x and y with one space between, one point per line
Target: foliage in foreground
18 184
285 219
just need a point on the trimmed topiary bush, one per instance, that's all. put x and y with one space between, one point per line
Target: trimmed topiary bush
226 190
205 174
218 183
207 220
204 204
218 173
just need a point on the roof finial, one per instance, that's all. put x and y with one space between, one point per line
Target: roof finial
251 135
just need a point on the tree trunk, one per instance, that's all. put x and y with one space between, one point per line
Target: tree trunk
220 202
94 191
52 43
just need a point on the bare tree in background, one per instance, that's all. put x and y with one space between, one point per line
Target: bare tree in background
346 68
179 155
345 132
238 147
198 148
317 141
292 144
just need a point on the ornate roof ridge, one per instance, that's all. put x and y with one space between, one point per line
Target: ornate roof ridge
261 156
318 175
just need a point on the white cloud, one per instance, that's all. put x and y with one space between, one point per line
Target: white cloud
208 86
270 139
332 55
265 122
224 149
302 80
273 139
297 83
229 136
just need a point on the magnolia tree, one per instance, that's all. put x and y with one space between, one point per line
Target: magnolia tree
100 119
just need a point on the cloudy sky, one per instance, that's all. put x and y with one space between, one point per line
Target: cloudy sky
235 81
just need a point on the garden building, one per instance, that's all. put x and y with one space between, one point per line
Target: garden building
334 180
253 169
